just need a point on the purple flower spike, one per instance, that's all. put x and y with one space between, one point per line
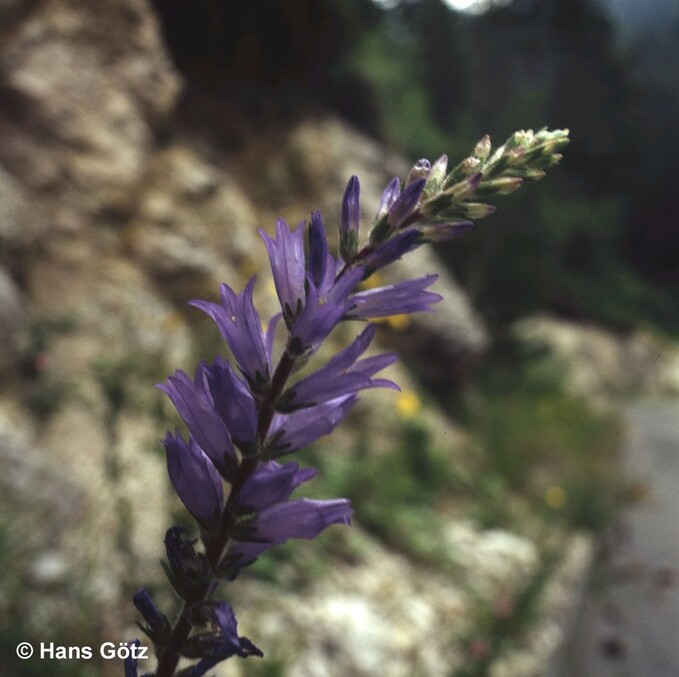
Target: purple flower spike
239 323
394 299
195 479
350 220
195 405
286 254
234 404
322 313
406 204
290 432
343 375
391 250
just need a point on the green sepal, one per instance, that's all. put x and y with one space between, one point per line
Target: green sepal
381 231
348 245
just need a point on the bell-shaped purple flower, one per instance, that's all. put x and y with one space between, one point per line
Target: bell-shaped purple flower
321 314
290 432
195 479
271 519
301 518
272 483
194 402
239 323
394 299
343 375
286 254
234 404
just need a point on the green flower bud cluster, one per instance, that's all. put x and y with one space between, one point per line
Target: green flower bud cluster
486 173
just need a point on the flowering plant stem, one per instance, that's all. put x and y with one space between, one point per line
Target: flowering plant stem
167 663
241 420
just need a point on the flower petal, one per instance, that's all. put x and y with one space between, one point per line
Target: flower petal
286 255
290 432
322 314
394 299
342 375
234 403
194 404
272 483
194 478
239 323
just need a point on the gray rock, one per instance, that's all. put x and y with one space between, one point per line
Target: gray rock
87 82
602 366
21 219
12 320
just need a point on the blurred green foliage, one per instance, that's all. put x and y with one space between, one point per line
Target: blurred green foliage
534 439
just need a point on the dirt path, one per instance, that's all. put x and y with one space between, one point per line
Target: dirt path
630 627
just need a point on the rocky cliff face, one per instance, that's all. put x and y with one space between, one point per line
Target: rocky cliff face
110 219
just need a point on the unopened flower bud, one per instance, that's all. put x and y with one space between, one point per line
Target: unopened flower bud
502 186
420 170
350 220
187 568
521 139
442 232
482 148
477 210
436 176
405 205
470 164
533 174
157 624
464 189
